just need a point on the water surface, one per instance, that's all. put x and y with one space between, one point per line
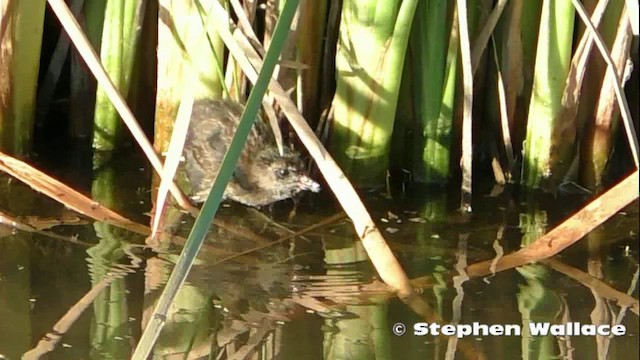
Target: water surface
315 297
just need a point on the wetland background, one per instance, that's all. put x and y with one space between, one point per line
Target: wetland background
413 99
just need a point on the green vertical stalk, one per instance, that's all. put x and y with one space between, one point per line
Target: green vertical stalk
82 84
545 152
120 34
435 75
438 132
371 51
19 66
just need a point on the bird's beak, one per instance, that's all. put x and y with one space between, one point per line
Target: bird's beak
306 183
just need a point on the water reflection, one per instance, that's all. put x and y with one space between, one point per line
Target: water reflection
315 297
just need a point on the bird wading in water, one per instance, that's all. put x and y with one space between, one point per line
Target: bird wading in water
262 175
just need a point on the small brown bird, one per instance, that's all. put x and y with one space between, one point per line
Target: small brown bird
262 176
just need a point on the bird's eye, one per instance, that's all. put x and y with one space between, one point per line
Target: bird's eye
282 172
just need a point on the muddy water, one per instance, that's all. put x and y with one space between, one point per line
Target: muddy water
82 289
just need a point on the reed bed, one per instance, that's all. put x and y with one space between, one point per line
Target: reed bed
345 70
446 92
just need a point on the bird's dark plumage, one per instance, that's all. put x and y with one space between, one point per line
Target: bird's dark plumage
262 175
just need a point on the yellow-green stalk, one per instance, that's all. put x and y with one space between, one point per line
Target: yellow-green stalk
82 83
371 53
548 150
183 42
120 34
19 65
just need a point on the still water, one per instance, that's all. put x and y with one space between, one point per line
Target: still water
78 289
